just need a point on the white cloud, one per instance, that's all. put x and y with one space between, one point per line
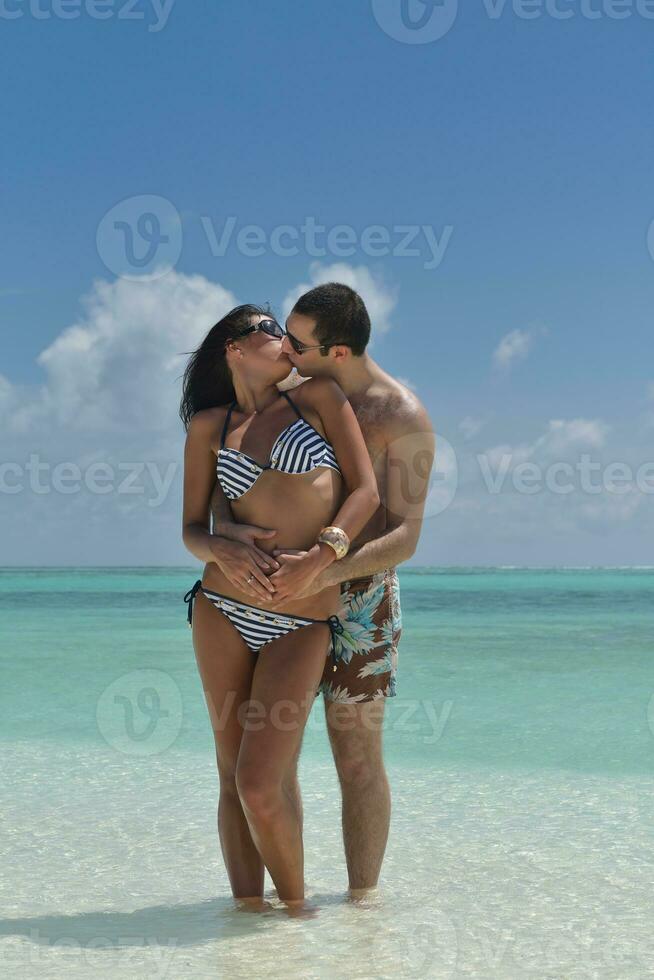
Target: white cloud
515 346
379 298
469 427
110 396
118 366
559 440
559 502
562 436
407 383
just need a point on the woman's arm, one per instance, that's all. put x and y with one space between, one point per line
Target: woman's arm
199 476
237 560
342 430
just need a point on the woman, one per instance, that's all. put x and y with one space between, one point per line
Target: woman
297 465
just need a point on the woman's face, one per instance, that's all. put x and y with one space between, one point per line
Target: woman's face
262 354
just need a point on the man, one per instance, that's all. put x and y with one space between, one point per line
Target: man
327 334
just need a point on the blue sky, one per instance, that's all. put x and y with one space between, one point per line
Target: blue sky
523 147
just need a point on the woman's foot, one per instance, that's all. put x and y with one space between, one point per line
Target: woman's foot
254 904
299 908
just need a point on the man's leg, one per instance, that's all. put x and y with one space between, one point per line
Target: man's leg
355 735
355 691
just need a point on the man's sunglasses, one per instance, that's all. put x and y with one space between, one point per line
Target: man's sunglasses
300 348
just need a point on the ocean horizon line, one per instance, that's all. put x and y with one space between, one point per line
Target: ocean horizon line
402 567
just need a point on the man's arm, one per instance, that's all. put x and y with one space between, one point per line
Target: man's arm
221 511
409 461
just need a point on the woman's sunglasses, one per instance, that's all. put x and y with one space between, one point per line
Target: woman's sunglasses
269 326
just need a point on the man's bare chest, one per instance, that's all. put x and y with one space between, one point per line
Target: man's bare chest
373 426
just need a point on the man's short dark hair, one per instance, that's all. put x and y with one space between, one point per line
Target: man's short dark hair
340 314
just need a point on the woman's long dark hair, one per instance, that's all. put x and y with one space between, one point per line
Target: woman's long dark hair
207 380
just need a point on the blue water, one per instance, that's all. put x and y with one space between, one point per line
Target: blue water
519 749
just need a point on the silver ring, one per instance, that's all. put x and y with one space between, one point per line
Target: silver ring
250 577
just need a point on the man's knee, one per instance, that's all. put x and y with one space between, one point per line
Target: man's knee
362 720
358 773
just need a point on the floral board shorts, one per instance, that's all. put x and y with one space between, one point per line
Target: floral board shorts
366 651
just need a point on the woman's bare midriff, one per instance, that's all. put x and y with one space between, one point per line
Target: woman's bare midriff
297 506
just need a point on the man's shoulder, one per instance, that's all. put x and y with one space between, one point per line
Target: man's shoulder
394 406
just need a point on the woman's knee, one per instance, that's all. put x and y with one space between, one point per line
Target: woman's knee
227 777
260 794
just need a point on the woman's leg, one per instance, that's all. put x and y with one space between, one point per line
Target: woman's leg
226 667
284 685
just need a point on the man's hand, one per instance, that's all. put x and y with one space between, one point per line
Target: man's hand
298 574
245 533
317 584
239 561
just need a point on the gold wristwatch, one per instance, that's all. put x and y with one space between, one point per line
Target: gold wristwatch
336 538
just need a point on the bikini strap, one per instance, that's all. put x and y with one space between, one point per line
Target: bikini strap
227 418
290 400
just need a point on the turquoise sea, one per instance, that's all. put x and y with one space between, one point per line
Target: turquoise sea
519 748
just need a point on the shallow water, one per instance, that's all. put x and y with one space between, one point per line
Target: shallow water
520 753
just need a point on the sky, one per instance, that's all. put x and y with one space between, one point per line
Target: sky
481 173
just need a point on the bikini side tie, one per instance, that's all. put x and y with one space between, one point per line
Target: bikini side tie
336 627
189 597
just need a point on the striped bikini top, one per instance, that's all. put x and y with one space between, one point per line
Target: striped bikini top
299 448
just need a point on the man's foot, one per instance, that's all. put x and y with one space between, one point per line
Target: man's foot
356 894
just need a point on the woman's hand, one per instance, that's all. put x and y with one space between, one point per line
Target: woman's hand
298 573
239 560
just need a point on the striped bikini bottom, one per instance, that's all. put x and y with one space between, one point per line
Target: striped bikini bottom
259 626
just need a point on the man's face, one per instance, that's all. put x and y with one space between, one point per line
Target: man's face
310 363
